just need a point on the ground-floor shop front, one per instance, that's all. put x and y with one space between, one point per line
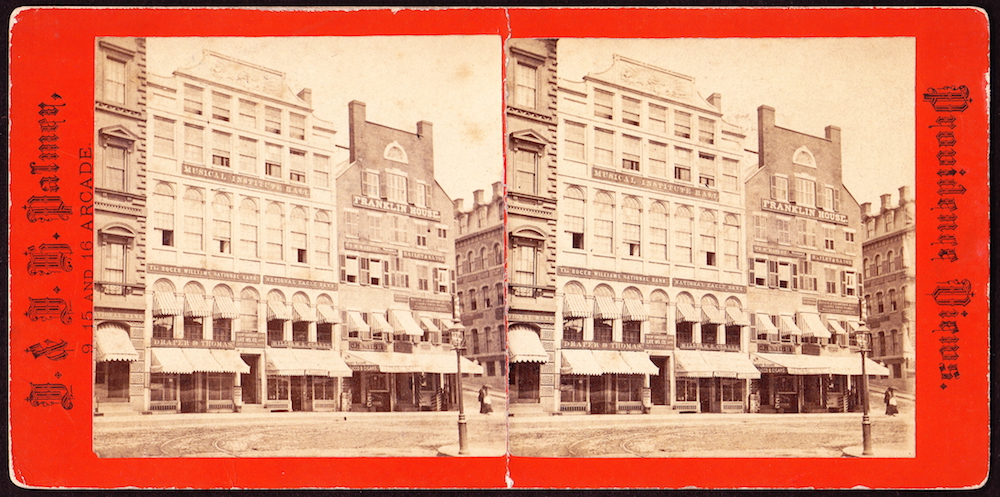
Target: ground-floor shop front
792 383
195 380
304 379
712 381
605 381
392 381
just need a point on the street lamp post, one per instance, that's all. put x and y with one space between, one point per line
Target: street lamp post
864 340
457 339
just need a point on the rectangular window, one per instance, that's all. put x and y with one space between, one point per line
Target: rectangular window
248 155
779 188
248 114
706 170
423 195
631 237
828 237
759 226
630 111
272 120
631 149
221 147
657 159
163 387
848 283
296 126
807 233
374 227
682 124
604 104
524 265
682 164
115 159
114 81
370 184
297 166
730 175
850 248
193 327
351 221
422 278
828 198
784 275
299 249
163 218
526 171
272 160
807 277
576 141
772 274
604 147
658 118
321 171
349 268
758 273
193 99
706 131
114 260
805 192
784 227
221 106
831 280
194 144
442 281
525 85
395 188
163 137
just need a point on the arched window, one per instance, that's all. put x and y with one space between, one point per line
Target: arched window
276 320
322 238
274 223
878 265
163 315
163 214
659 237
731 241
524 264
658 311
471 262
604 223
458 265
867 268
707 246
888 262
603 327
298 239
631 226
573 210
631 325
684 327
248 309
194 219
497 254
892 299
222 232
734 331
880 305
324 329
249 222
482 258
684 221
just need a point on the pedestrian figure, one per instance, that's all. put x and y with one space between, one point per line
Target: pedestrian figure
891 407
485 401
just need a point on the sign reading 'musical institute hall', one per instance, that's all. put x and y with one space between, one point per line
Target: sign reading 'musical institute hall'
653 184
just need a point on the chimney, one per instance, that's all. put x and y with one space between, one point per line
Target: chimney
477 198
904 195
425 129
833 134
356 125
866 209
765 121
716 100
498 189
307 96
886 198
459 205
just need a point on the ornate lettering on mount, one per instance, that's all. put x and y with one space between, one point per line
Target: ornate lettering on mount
659 341
710 285
357 345
423 257
801 210
249 339
531 318
243 180
842 308
418 304
314 284
653 184
387 206
48 258
187 343
46 309
612 276
832 260
590 344
55 351
763 249
375 249
46 208
204 273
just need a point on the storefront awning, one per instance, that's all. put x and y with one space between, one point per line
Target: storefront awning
195 306
321 362
203 361
736 317
691 364
403 323
385 362
170 360
277 310
302 312
523 345
445 364
378 323
165 304
451 325
788 326
712 315
224 308
852 366
575 306
230 360
791 364
812 325
356 323
282 362
328 315
764 322
579 362
835 324
632 310
113 344
685 313
853 325
640 363
611 362
604 308
702 364
428 325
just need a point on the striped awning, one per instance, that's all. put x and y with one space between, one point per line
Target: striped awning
611 362
764 323
328 315
575 306
386 362
712 315
709 364
812 325
170 360
282 362
686 313
224 308
788 326
853 325
306 362
378 323
525 346
835 324
230 360
632 310
113 344
640 363
195 306
404 324
810 364
736 317
604 308
203 361
165 304
356 323
451 324
428 325
277 310
302 312
579 362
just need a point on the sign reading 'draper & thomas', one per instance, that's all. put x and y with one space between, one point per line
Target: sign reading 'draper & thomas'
612 275
247 181
801 210
588 344
653 184
387 206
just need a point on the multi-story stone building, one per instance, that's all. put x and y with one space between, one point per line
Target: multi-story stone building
531 224
396 248
119 224
479 269
889 282
242 311
804 262
651 294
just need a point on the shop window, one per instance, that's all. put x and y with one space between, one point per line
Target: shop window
732 389
709 333
275 330
277 388
300 331
685 332
163 327
629 388
220 386
324 333
222 330
572 388
162 387
113 376
324 388
687 390
733 334
632 331
603 330
193 327
573 329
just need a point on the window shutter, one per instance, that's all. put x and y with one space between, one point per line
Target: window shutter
795 276
793 185
836 200
843 283
365 273
750 269
411 191
385 273
343 268
820 194
774 187
434 282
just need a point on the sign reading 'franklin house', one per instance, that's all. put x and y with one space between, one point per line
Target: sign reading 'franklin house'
387 206
801 210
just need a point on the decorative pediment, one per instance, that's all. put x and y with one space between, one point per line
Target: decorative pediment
529 136
236 73
528 232
118 136
639 76
117 230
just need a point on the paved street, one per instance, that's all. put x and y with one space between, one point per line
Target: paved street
296 434
710 435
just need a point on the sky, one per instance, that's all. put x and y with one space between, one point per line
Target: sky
865 86
455 82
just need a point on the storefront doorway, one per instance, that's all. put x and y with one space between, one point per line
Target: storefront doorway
659 385
602 395
250 382
191 393
302 393
706 394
